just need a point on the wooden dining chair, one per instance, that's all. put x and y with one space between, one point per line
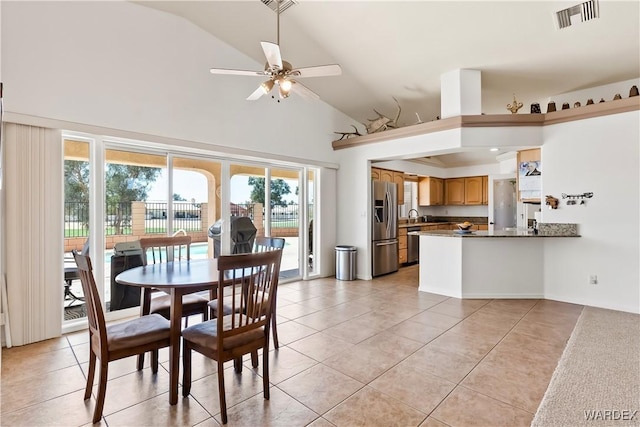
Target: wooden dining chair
253 281
261 244
165 249
113 342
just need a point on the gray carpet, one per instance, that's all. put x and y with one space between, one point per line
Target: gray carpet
597 380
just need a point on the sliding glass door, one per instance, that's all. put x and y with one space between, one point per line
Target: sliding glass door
119 191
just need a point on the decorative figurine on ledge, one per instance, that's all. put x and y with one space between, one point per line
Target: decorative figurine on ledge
515 106
552 202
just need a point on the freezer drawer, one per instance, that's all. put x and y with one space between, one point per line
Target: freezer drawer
385 257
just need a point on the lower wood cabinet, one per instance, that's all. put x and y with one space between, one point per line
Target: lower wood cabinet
402 245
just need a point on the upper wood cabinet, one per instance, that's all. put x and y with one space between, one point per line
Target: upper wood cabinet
454 191
375 174
398 178
386 175
485 190
473 190
430 191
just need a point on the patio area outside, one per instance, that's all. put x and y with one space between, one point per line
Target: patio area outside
74 308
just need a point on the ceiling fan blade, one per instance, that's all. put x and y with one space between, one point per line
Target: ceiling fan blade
272 53
236 72
303 91
256 94
317 71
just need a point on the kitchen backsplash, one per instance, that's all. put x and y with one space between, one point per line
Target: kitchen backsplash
557 229
453 210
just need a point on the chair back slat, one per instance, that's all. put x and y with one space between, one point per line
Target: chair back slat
95 313
263 244
253 280
164 249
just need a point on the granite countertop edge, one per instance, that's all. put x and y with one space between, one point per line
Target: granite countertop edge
484 234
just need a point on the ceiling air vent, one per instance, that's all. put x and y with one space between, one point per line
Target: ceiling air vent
579 13
284 4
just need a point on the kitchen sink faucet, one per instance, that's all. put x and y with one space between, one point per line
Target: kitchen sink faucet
416 217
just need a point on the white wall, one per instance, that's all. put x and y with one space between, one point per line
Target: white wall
598 155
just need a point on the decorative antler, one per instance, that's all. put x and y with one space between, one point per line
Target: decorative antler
347 135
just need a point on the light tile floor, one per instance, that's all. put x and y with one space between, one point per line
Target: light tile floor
353 353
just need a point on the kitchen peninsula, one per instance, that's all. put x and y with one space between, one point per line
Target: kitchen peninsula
487 264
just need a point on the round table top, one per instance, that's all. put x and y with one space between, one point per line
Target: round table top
172 274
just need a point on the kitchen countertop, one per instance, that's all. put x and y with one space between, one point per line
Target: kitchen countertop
419 224
498 233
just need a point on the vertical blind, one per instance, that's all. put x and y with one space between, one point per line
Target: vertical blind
33 176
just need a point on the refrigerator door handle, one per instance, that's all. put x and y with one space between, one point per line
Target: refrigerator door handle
387 202
387 243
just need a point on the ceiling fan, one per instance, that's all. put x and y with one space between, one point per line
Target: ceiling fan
282 73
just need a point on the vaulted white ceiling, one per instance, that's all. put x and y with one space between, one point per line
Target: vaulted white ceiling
401 48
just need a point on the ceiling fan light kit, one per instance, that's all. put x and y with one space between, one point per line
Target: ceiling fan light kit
281 72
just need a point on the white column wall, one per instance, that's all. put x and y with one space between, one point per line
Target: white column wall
599 155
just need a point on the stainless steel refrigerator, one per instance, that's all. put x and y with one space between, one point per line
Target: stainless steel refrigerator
384 228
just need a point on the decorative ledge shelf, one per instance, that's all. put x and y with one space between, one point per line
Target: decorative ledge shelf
495 120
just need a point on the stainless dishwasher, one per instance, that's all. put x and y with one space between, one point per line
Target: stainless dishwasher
413 245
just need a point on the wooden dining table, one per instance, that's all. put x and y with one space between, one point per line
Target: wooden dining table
176 279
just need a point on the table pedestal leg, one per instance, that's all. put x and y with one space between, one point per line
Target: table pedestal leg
174 355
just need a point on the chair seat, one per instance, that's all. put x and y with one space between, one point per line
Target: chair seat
226 306
191 304
136 332
205 334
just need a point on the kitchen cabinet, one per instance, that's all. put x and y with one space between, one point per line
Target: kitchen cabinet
386 175
375 174
430 191
398 178
485 190
473 190
402 246
454 191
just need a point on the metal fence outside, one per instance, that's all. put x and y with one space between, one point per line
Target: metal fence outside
187 216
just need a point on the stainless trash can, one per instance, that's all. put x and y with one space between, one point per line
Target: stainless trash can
345 262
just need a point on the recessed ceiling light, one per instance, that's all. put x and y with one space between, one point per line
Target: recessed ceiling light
493 149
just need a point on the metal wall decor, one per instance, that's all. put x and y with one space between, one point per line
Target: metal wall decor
575 198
